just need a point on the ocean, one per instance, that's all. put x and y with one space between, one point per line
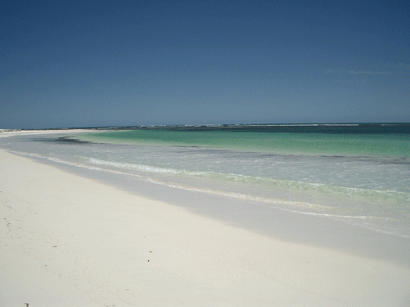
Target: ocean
356 173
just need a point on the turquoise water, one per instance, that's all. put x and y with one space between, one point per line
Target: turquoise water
358 174
387 145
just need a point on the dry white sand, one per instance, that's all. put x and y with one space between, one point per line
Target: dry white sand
13 132
71 241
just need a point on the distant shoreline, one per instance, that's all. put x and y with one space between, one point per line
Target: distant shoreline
13 132
280 127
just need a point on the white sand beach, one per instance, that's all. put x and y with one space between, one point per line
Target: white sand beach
67 240
14 132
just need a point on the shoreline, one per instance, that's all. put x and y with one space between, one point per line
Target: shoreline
70 240
16 132
277 223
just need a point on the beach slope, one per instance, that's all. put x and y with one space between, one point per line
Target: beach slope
66 240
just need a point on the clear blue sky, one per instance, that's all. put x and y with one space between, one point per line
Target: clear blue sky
108 63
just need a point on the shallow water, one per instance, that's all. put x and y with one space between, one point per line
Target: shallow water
362 179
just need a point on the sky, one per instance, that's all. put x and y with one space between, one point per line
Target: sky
129 63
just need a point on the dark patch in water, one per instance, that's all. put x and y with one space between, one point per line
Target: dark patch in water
62 140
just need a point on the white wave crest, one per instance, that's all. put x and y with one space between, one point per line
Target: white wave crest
146 168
